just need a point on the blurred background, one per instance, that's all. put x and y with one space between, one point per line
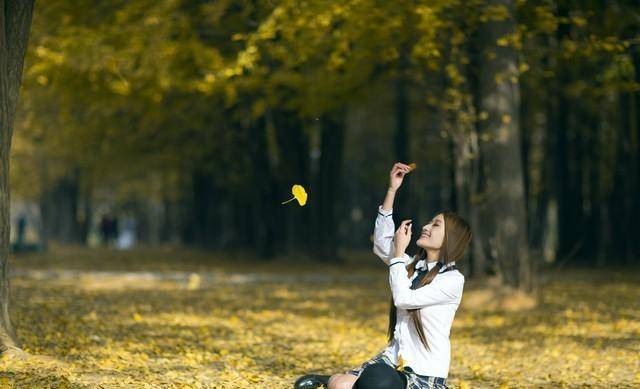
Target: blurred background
188 122
154 143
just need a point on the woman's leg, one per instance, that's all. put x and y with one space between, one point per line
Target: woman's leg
342 381
347 380
380 376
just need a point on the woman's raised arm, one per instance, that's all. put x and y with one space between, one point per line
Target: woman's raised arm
383 232
384 229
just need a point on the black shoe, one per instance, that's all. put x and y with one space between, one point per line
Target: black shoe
311 381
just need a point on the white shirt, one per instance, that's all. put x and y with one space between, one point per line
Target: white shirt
438 302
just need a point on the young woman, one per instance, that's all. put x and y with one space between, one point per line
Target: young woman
426 292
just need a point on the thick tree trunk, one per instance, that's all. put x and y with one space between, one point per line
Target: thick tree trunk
499 91
635 142
266 221
535 187
567 188
463 172
15 23
327 187
626 176
480 265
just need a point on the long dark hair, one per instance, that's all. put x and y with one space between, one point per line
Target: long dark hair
457 235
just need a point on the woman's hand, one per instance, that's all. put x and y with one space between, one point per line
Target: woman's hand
397 175
402 237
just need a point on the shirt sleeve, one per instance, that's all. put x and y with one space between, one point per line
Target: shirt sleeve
383 233
447 290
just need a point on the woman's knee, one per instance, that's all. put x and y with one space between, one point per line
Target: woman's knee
380 376
341 381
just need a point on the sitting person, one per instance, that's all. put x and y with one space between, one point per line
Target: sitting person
426 292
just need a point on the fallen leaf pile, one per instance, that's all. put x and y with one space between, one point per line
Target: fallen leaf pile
584 331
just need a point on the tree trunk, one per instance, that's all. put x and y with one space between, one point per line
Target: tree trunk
626 177
15 23
402 207
463 172
593 240
500 99
479 262
567 177
205 208
169 220
326 191
635 142
266 221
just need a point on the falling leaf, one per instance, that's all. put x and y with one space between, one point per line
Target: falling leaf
299 194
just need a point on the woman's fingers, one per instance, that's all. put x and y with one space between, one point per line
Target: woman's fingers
401 166
405 224
401 170
405 167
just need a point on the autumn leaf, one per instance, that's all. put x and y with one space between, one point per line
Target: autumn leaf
299 194
412 166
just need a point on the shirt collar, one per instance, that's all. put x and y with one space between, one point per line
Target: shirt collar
423 264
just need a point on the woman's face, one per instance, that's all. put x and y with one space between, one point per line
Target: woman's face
432 234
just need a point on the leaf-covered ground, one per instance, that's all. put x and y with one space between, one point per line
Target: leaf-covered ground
170 318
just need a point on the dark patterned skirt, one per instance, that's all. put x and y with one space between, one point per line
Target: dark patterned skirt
414 380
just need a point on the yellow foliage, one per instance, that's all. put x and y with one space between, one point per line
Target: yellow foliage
584 332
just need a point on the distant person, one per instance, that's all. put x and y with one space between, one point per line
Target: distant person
22 228
426 291
108 229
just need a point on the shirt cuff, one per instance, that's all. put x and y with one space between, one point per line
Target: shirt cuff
403 259
384 212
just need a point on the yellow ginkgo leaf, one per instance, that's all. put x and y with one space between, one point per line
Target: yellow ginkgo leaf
299 194
412 166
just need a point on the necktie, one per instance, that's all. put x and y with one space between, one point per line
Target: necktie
422 272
